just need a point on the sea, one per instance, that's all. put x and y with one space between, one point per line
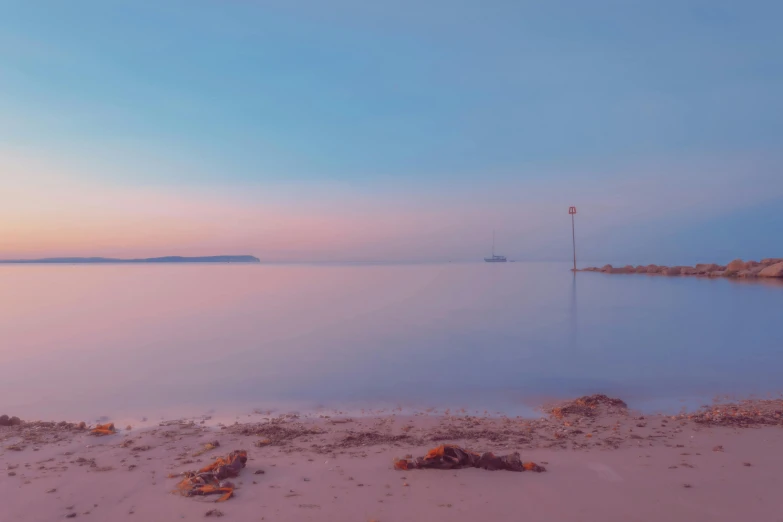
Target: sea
89 342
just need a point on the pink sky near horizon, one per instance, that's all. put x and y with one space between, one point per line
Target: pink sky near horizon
50 208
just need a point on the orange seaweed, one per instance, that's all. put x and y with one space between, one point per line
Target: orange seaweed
104 429
209 479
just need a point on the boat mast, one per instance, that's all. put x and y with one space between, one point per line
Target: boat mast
493 242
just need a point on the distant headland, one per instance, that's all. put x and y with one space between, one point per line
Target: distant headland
108 260
770 267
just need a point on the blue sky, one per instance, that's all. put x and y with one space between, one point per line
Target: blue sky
365 109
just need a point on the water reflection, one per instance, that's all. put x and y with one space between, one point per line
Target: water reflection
87 340
574 334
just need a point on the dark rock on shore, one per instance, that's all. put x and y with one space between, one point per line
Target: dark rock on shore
5 420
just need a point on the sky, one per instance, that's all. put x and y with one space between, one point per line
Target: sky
391 131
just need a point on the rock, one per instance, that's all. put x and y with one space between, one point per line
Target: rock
775 270
688 270
629 269
717 273
735 267
706 268
771 261
606 268
5 420
751 272
672 271
14 421
641 269
653 269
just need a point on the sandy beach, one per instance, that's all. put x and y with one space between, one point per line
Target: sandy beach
603 462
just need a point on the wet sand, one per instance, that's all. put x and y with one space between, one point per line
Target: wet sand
603 463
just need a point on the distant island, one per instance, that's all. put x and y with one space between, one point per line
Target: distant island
107 260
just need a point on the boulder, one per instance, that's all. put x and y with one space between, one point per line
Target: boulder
641 269
717 273
606 268
775 270
9 421
629 269
771 261
673 271
688 270
706 268
653 269
735 267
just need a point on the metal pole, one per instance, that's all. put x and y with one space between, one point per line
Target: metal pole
572 211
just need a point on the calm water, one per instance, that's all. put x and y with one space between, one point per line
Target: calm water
81 341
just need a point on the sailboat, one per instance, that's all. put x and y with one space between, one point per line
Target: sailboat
494 258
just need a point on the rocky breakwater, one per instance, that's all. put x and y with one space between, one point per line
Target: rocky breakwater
770 267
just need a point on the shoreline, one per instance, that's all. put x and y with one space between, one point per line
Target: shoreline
611 462
771 268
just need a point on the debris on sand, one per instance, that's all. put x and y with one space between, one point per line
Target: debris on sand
213 513
590 406
209 446
740 415
103 429
17 436
279 431
211 480
449 456
370 438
